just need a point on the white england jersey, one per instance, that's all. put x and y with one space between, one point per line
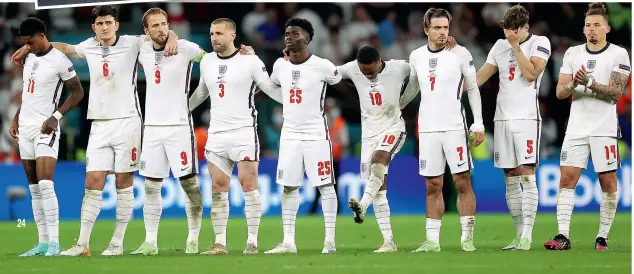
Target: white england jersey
167 78
42 76
379 97
590 116
303 95
517 97
232 82
113 71
440 76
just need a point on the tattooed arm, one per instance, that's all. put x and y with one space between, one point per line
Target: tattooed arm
614 90
76 94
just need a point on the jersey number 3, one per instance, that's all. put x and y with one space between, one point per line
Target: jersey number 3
222 90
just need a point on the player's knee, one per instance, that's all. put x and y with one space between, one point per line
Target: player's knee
528 169
290 189
152 187
124 180
434 185
569 177
608 181
510 172
220 184
463 182
96 180
382 157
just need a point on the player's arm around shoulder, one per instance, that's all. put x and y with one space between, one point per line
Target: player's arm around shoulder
66 72
413 86
335 79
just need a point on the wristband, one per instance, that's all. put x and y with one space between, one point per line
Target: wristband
590 82
57 115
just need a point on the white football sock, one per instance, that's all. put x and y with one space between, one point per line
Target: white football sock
253 213
90 208
468 224
608 210
38 213
152 209
220 215
290 206
530 199
432 228
329 207
125 206
193 207
565 205
51 209
382 214
514 202
374 183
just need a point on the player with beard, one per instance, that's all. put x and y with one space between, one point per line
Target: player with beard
595 74
230 80
169 137
443 133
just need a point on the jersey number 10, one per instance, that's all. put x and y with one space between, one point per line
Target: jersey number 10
31 87
376 99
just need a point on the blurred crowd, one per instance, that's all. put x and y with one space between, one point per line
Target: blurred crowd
340 29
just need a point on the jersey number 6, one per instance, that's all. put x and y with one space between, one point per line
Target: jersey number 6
105 70
157 77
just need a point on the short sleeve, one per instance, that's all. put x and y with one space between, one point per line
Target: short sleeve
566 65
275 72
258 70
466 61
138 39
412 64
65 69
194 51
491 56
622 63
80 48
331 73
541 48
346 69
404 66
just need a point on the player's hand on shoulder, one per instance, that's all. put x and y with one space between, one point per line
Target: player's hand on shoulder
246 50
49 125
286 53
451 42
20 55
13 130
171 48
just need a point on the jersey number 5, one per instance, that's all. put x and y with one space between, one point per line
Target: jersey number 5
511 73
105 70
296 96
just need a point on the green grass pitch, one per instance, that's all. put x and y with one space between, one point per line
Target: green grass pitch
355 244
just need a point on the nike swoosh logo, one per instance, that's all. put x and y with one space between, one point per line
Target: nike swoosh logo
184 168
323 179
528 157
611 163
462 164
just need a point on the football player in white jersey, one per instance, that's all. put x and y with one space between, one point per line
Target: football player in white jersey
168 130
230 80
116 130
595 74
305 142
442 127
36 127
379 84
520 60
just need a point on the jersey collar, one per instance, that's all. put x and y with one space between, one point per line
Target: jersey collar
383 65
302 61
44 52
434 51
115 41
227 57
159 49
599 51
527 38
